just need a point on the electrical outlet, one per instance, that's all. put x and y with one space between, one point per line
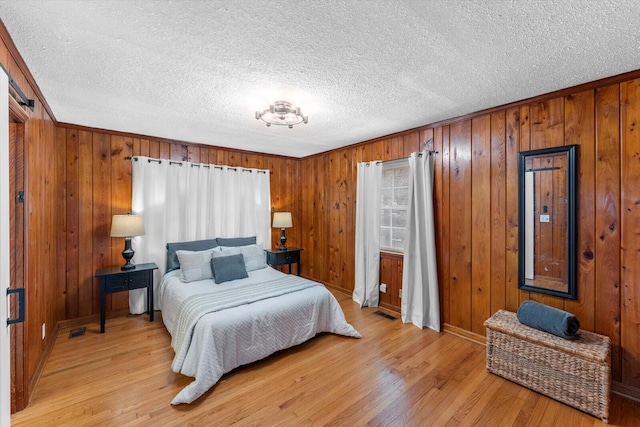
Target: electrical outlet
44 331
383 288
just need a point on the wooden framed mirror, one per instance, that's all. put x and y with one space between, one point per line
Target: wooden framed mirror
547 221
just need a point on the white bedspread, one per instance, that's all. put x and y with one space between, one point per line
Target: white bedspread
235 333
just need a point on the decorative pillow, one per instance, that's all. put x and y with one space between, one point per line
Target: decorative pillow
254 256
195 265
197 245
226 268
236 241
221 251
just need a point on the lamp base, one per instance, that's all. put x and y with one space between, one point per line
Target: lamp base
128 266
127 254
283 240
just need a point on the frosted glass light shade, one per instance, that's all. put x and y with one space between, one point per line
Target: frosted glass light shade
127 226
282 220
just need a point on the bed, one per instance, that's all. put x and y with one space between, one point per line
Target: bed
217 327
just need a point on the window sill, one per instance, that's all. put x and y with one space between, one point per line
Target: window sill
391 254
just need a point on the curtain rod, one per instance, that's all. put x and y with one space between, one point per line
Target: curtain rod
175 162
406 158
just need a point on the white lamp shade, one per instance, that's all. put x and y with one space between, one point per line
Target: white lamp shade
282 220
127 226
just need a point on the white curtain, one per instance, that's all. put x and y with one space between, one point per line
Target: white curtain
182 201
368 194
420 301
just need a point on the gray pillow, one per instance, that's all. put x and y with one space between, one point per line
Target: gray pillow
197 245
236 241
228 268
195 265
254 256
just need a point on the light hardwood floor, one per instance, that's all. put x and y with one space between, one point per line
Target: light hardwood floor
396 375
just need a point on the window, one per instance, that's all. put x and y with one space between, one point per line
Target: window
394 203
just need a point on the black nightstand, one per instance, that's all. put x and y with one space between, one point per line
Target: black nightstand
276 257
114 279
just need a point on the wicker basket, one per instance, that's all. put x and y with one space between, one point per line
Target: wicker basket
574 372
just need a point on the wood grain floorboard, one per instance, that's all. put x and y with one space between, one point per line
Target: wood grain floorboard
396 375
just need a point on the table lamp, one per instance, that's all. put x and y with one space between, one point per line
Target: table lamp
127 226
282 220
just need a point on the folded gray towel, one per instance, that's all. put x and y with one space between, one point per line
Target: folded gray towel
548 319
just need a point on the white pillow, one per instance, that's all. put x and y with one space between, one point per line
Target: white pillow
195 265
254 256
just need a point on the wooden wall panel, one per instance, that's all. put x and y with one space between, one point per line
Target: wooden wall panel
444 274
72 145
630 244
498 182
61 225
512 294
607 220
460 225
480 232
580 130
86 271
101 213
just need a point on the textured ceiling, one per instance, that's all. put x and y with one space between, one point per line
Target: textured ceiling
198 70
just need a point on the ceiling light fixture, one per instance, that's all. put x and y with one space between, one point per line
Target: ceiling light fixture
282 113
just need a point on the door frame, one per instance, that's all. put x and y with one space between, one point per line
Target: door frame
5 258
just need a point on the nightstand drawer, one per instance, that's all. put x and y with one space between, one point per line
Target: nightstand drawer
288 256
139 279
123 282
116 283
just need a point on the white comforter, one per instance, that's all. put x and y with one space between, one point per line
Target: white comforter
226 338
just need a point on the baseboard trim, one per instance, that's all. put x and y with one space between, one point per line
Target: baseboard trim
626 391
35 378
464 334
94 318
390 307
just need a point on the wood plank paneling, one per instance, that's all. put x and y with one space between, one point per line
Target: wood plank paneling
512 294
580 130
86 271
460 225
101 213
607 220
480 232
630 244
73 214
498 182
444 276
440 223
